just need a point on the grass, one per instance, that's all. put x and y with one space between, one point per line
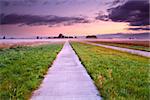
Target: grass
23 68
127 45
117 75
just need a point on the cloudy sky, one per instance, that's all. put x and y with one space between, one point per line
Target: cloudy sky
27 18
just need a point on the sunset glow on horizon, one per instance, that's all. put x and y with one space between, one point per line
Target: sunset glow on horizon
76 30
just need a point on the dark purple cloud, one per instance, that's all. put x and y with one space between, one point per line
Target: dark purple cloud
33 20
116 2
61 2
135 12
55 2
4 3
8 3
102 17
139 28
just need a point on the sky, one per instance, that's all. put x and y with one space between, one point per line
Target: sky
28 18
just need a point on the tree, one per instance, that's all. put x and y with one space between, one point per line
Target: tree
91 36
61 36
37 37
4 37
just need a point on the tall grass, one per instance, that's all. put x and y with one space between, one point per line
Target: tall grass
23 68
117 75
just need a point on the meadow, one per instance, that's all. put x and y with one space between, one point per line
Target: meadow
117 75
23 68
136 45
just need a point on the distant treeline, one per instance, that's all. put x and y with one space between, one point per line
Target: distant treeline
91 36
38 37
55 37
62 36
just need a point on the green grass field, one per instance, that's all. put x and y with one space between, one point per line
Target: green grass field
117 75
23 68
135 47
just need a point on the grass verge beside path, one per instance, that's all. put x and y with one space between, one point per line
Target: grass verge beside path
23 68
117 75
125 45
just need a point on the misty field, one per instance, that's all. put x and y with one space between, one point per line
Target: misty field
137 45
26 42
23 68
117 75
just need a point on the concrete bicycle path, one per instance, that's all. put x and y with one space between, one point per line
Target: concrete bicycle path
67 79
137 52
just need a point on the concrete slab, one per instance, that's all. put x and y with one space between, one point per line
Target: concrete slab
132 51
67 79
